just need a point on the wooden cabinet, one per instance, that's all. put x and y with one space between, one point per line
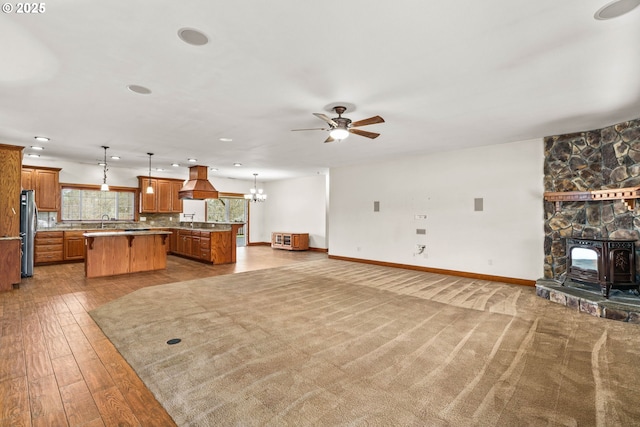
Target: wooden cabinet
9 262
111 253
290 241
173 244
10 164
45 182
176 201
195 245
183 244
208 246
189 243
74 245
165 197
148 202
205 246
222 248
49 247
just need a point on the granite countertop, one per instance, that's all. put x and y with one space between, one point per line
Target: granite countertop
11 238
125 233
133 228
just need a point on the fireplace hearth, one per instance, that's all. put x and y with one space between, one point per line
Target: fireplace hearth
609 264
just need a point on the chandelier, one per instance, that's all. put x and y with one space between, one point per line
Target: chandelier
104 186
256 194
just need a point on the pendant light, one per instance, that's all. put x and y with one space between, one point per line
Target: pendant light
255 195
104 186
149 187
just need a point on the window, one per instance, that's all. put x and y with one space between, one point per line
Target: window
89 204
227 209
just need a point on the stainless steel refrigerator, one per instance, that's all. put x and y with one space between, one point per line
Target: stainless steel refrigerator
28 227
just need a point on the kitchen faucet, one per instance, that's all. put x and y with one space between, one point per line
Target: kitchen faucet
102 218
191 215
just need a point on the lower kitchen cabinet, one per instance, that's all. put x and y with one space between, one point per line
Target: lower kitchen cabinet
9 262
208 246
74 245
49 247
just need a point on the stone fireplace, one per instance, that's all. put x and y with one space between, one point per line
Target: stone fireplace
590 161
592 203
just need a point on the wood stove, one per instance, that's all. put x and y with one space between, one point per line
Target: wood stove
611 264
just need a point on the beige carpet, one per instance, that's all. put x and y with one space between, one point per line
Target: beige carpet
337 343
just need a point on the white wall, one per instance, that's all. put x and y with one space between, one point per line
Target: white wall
505 239
296 205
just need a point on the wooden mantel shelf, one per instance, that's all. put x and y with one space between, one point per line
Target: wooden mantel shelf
628 195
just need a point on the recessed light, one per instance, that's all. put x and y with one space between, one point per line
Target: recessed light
616 8
213 169
175 165
35 147
139 89
226 139
115 157
237 164
159 170
193 37
192 160
33 155
41 138
102 164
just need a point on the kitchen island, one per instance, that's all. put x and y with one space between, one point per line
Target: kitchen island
118 252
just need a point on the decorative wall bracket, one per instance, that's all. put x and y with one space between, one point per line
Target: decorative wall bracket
627 195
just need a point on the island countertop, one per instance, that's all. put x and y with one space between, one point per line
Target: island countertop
124 233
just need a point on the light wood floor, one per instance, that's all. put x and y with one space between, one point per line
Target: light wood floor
56 366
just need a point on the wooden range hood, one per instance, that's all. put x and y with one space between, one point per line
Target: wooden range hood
198 186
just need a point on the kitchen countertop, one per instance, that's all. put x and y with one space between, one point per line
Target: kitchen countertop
125 233
97 228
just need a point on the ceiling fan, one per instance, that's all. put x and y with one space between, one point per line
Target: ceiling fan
340 127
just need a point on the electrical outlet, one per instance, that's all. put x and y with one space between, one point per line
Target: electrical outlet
420 217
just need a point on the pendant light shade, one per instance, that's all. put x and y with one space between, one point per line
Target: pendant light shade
104 186
149 187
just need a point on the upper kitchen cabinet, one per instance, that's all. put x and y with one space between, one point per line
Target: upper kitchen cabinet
164 198
10 164
45 182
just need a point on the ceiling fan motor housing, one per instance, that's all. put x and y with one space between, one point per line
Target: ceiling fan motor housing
342 122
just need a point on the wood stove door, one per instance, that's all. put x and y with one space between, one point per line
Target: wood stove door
622 265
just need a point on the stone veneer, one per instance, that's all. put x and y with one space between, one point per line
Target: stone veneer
585 161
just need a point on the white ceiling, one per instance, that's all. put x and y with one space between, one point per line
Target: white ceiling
444 75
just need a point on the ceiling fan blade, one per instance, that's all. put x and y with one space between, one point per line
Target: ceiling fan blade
369 121
330 139
294 130
326 119
371 135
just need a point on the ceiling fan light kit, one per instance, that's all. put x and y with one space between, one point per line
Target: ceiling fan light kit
339 133
340 127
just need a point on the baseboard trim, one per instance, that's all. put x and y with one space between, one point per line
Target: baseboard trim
325 250
502 279
319 250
